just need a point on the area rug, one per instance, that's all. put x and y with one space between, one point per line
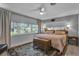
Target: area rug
28 50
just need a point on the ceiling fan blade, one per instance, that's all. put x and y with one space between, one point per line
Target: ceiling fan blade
37 9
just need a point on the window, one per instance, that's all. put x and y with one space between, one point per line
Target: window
34 28
23 28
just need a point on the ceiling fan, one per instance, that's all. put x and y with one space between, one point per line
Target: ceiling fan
42 8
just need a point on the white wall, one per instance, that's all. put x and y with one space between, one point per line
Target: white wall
63 21
21 39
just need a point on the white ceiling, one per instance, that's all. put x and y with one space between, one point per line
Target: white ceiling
58 10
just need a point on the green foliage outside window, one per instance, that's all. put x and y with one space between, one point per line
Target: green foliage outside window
23 28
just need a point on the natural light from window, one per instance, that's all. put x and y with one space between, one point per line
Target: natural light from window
23 28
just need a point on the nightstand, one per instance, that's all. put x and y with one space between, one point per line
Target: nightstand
73 40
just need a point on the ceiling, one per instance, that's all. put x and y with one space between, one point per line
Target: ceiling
54 11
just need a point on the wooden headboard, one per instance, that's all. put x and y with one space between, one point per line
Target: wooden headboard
57 31
61 31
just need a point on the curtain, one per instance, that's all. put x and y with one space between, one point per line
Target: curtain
5 16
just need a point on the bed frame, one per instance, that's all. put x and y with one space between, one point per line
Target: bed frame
45 44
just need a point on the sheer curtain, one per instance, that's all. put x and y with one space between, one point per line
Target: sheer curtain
5 26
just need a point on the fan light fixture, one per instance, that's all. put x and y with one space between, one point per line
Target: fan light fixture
43 8
42 11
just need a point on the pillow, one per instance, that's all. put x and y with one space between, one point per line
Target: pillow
48 32
58 32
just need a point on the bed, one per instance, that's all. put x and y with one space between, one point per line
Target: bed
57 38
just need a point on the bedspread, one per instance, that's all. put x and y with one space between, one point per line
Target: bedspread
57 41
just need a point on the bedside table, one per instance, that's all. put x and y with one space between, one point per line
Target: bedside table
73 40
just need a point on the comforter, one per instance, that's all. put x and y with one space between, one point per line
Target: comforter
57 41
